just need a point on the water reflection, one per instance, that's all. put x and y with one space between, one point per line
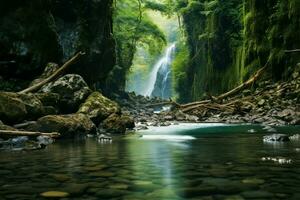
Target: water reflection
220 162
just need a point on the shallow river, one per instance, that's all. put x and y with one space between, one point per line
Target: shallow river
208 161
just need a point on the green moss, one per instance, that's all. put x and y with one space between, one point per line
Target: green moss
231 40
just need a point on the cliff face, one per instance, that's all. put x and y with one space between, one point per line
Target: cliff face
36 32
229 40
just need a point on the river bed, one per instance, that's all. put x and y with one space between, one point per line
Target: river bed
186 161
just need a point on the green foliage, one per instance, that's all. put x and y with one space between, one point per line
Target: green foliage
229 40
132 27
179 73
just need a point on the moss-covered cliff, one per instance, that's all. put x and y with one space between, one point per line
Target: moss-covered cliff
229 40
35 32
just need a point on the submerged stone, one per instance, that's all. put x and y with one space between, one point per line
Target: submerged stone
255 181
276 138
54 194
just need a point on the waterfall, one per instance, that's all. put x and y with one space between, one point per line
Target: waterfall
161 69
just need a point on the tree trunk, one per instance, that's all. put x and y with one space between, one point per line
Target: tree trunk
28 133
54 76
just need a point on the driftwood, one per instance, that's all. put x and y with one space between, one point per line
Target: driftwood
28 133
213 104
244 85
55 75
292 51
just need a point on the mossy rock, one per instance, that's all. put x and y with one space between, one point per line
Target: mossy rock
69 126
12 108
97 107
34 106
117 124
72 89
48 99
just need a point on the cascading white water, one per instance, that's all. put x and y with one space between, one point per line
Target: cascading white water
163 66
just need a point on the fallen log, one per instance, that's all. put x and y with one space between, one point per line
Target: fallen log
205 103
55 75
28 133
195 103
292 51
244 85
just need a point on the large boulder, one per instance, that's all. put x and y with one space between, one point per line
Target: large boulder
13 105
12 108
117 124
72 89
97 107
34 106
68 126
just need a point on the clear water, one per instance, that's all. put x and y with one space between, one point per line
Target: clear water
180 162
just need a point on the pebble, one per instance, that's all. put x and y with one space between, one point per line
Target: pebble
54 194
255 181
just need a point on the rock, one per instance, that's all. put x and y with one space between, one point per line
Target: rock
72 89
180 116
12 108
20 143
284 115
295 75
48 99
261 102
279 160
118 123
192 118
168 117
254 181
258 194
97 107
67 125
44 140
75 189
49 70
6 127
33 106
54 194
251 131
276 138
140 126
295 137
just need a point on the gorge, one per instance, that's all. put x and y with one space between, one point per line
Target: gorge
149 99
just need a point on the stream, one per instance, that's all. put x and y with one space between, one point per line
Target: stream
186 161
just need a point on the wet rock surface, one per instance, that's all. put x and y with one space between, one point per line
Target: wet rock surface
12 108
73 91
155 170
146 113
117 124
276 138
97 107
25 143
69 126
